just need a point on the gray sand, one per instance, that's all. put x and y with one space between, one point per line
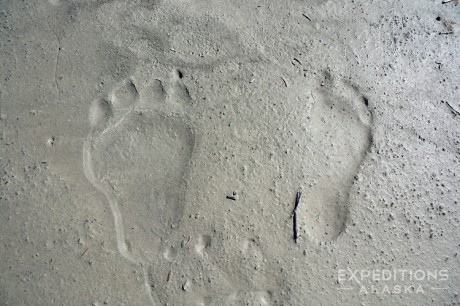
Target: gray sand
151 152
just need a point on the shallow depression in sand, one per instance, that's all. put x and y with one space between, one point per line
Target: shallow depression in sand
341 137
137 154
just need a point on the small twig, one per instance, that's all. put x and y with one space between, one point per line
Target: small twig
285 83
297 200
456 112
83 254
446 1
297 61
310 19
446 33
231 198
294 224
294 215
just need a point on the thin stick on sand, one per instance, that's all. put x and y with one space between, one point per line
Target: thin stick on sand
285 83
294 215
83 254
454 111
306 17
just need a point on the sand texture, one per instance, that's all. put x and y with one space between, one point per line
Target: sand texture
152 152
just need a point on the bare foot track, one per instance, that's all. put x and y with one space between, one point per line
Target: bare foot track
137 154
341 137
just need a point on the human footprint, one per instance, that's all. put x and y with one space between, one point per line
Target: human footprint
341 137
137 154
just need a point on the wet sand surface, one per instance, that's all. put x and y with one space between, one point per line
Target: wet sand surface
151 152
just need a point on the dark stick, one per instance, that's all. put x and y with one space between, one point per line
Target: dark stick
285 83
294 224
294 215
83 254
454 111
306 17
231 198
297 200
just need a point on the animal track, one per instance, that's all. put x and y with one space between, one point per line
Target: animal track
341 128
137 155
